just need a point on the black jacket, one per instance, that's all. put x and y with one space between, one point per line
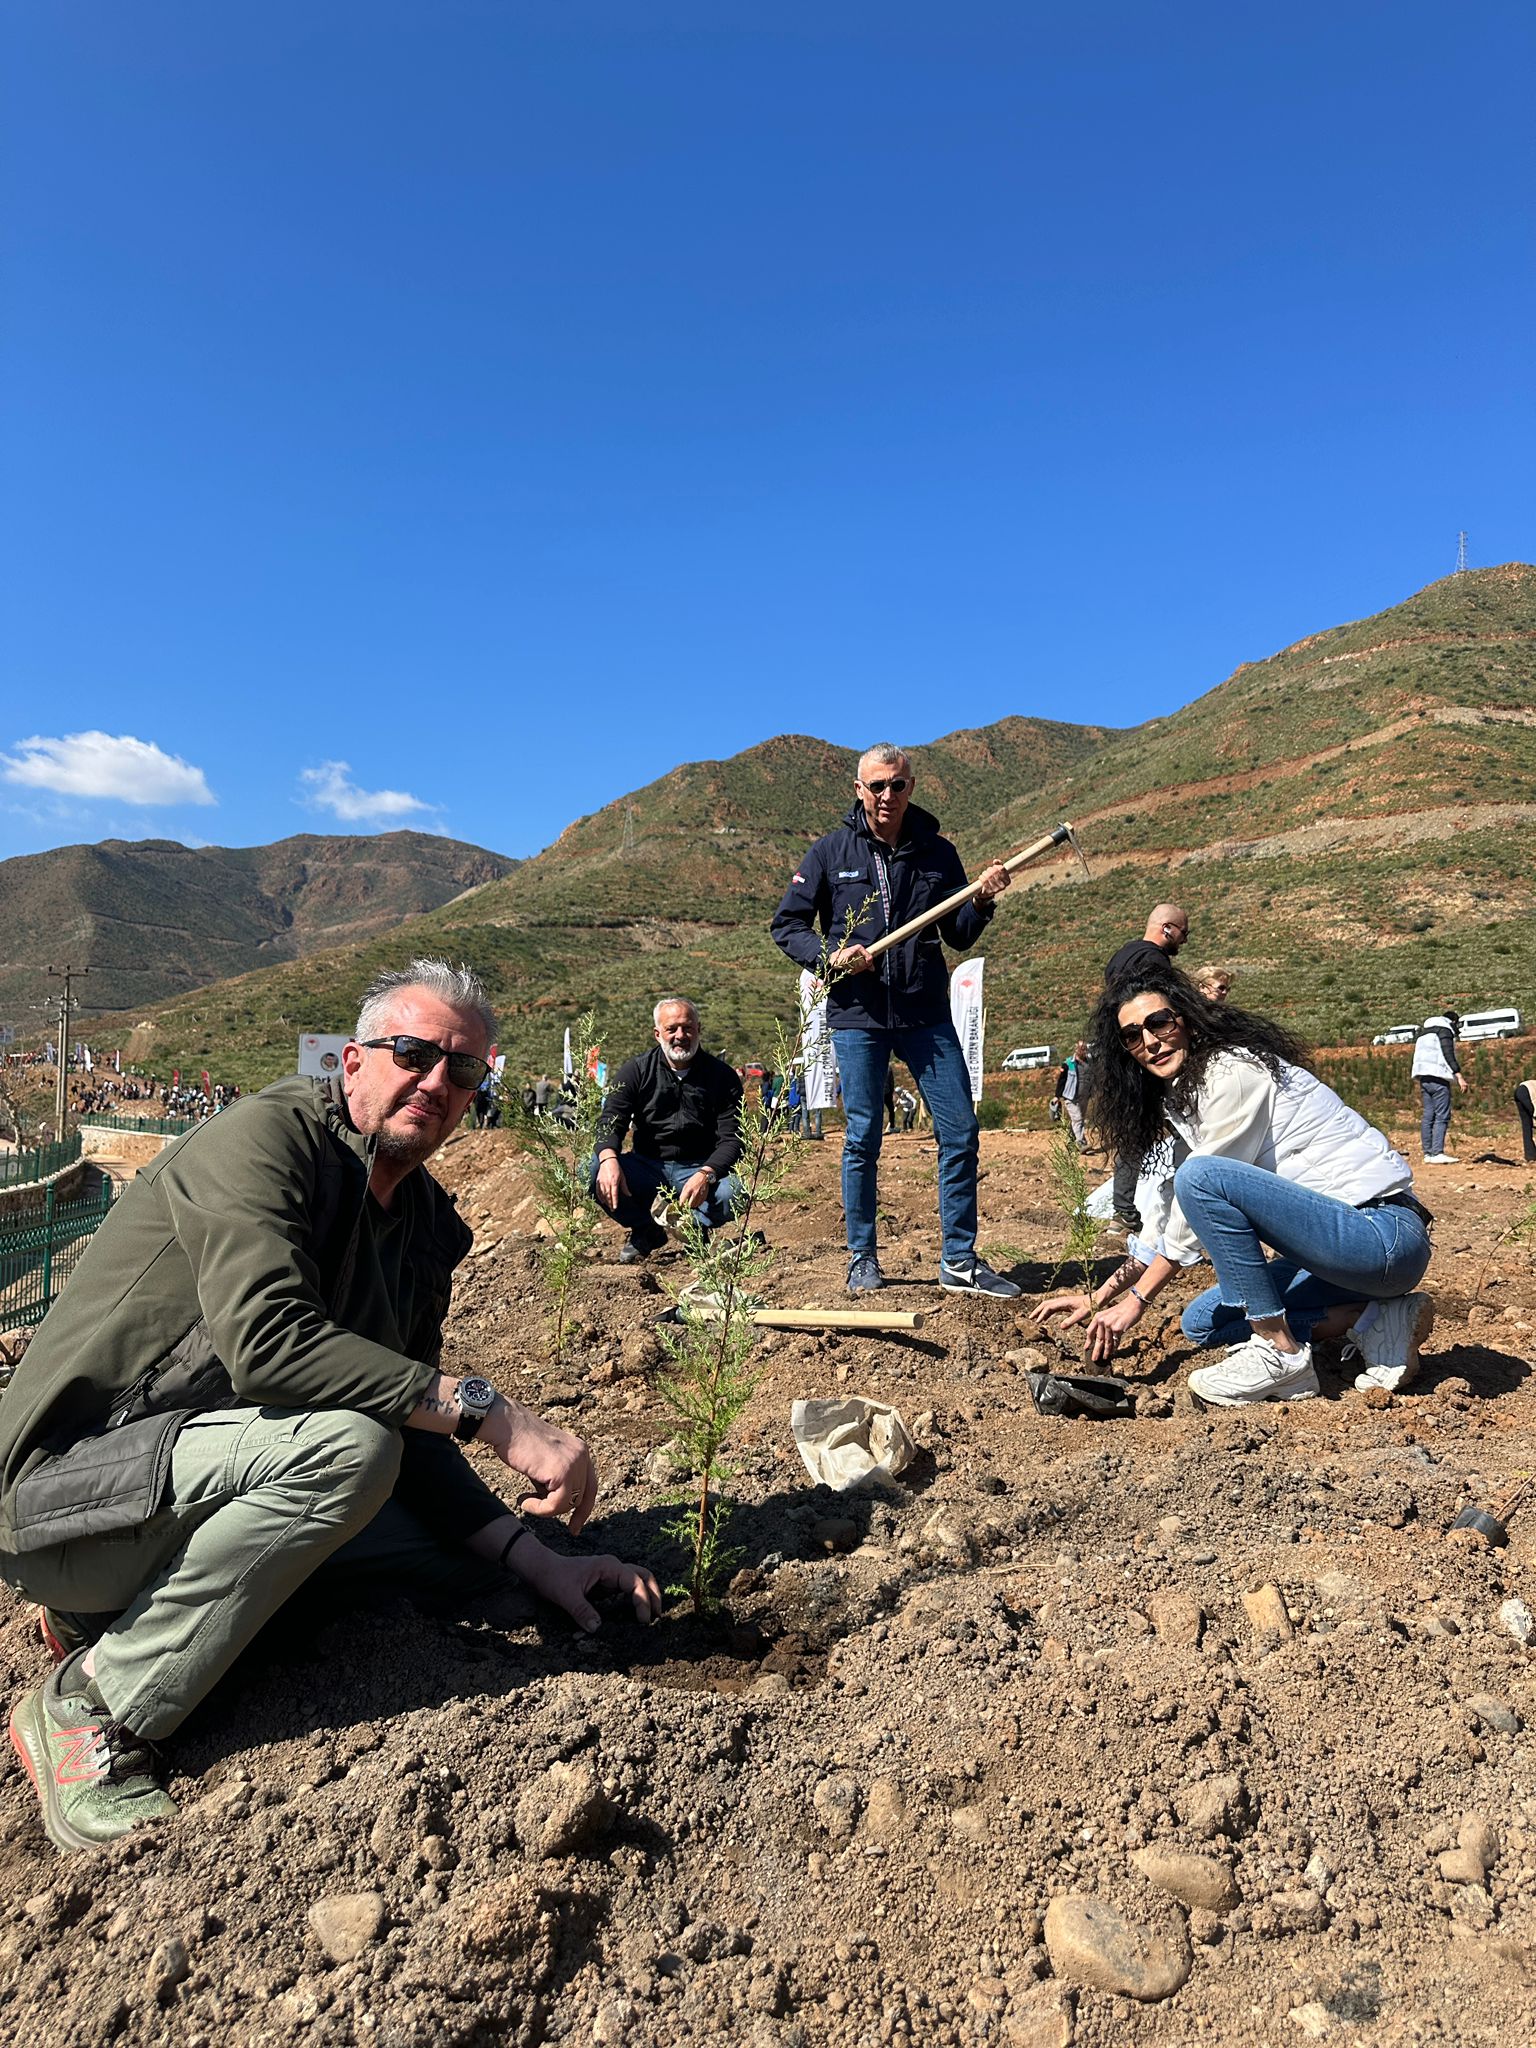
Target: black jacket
688 1119
907 987
1136 956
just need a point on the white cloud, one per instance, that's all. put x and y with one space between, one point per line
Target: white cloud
94 764
330 788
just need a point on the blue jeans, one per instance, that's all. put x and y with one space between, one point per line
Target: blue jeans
645 1176
1435 1120
1329 1251
932 1052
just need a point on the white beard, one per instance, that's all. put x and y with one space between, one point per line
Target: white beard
678 1062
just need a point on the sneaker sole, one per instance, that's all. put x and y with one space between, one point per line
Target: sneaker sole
23 1738
1410 1371
984 1293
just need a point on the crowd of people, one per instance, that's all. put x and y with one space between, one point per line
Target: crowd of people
108 1094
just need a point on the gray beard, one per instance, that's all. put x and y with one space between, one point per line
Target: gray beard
677 1065
405 1151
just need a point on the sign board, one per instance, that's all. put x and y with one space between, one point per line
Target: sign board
320 1052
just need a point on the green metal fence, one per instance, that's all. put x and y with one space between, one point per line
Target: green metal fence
161 1126
16 1168
39 1249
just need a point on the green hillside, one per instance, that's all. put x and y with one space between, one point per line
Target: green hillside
1347 823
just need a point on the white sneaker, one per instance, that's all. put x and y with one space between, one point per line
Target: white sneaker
1256 1371
1388 1337
1441 1159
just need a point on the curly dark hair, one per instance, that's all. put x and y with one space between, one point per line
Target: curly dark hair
1128 1101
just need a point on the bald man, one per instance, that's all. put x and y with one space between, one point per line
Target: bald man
1167 929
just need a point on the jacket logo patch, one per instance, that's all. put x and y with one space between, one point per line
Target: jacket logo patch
797 878
850 874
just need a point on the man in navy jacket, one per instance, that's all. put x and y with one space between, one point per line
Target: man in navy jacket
884 864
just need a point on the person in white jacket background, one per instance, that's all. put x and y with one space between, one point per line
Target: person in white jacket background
1435 1067
1265 1154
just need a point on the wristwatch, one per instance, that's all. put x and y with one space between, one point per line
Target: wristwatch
477 1397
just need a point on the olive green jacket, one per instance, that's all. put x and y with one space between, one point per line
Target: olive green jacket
246 1264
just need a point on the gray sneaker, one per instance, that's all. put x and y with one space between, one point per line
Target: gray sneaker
976 1278
93 1779
864 1274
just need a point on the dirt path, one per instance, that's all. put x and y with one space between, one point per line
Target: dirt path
1025 1671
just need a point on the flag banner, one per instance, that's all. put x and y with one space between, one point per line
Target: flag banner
820 1077
570 1065
85 1054
207 1085
970 1023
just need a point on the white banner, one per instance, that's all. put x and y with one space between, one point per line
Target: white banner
819 1081
569 1067
965 1008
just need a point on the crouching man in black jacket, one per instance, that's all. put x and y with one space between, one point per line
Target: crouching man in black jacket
680 1106
884 864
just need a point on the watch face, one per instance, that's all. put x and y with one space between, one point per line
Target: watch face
476 1394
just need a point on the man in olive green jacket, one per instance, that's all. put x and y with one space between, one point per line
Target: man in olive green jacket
240 1387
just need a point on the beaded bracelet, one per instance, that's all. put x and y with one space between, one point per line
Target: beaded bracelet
506 1549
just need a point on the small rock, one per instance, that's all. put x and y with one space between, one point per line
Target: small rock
1206 1928
612 2024
1299 1912
1518 1619
1193 1880
1090 1943
1318 1873
769 1685
1216 1806
1312 2019
1178 1618
502 1918
665 1467
837 1801
563 1810
885 1812
1479 1837
834 1532
947 1530
347 1924
1494 1714
1462 1866
1265 1609
987 1996
971 1823
638 1353
169 1966
1041 2017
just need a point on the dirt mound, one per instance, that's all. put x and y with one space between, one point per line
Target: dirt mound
1190 1726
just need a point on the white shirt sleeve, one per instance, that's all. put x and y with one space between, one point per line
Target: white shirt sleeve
1233 1119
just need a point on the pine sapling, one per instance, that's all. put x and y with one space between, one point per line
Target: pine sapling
555 1152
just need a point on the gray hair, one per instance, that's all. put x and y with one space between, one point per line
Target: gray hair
672 1003
883 750
460 988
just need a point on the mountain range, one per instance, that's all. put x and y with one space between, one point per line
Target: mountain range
1346 822
153 918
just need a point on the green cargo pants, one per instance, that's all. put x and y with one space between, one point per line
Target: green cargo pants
258 1499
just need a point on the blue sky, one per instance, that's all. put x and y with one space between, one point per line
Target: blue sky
457 415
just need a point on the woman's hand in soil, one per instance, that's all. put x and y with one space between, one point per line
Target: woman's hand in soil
558 1464
566 1582
1072 1308
1110 1325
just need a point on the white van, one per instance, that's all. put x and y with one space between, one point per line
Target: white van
1400 1034
1491 1024
1024 1056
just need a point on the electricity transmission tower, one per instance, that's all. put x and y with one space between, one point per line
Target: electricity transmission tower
627 850
1462 565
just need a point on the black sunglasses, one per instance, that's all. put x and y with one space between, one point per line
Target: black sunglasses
420 1056
896 785
1156 1021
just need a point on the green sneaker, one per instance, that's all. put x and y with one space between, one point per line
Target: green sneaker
93 1779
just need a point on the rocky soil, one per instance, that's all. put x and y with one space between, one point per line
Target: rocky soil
1176 1728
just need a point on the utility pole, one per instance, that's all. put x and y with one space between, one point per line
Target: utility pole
69 975
627 850
1461 554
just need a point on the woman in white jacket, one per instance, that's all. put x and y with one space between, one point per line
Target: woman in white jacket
1264 1154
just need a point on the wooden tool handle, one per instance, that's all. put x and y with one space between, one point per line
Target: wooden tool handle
836 1319
1059 837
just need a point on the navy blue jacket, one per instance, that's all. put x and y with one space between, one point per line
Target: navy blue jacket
843 872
